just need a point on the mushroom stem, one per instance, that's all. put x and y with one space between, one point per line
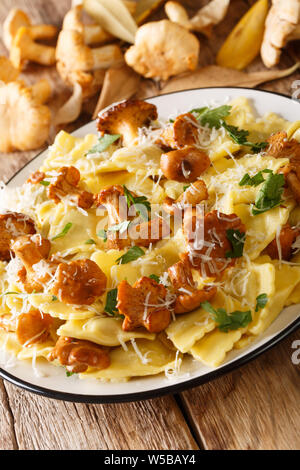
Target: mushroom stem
295 34
41 91
94 34
107 56
24 48
43 31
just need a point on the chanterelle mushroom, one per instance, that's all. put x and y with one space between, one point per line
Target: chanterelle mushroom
13 225
282 26
77 355
24 120
16 19
144 304
25 49
79 63
8 73
163 49
126 118
92 33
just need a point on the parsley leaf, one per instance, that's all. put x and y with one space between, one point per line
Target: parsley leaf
69 374
111 304
155 278
45 183
255 180
261 301
239 136
237 240
269 196
90 242
228 321
54 298
212 117
132 254
186 187
102 234
141 203
63 232
103 143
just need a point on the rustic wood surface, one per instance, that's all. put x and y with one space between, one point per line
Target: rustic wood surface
255 407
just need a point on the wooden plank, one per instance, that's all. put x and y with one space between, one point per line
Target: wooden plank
7 433
255 407
42 424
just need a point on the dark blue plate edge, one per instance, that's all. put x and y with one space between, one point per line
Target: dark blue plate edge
171 389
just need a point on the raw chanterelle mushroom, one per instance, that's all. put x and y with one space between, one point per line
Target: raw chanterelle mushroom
8 73
18 18
92 33
282 26
162 49
24 49
79 63
24 119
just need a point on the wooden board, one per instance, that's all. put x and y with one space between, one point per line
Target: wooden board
255 407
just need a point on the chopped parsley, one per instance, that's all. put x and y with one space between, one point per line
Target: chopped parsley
261 301
186 187
103 143
141 203
237 240
255 180
132 254
64 232
228 321
102 234
90 242
155 278
69 374
239 136
45 183
111 304
54 298
270 194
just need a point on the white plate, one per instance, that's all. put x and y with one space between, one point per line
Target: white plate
53 382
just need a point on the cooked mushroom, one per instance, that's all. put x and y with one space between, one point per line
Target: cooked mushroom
283 243
144 304
33 251
13 225
188 296
282 26
209 247
77 355
25 122
183 132
184 165
79 63
25 49
16 19
79 282
163 49
33 327
281 147
193 195
8 73
65 185
126 118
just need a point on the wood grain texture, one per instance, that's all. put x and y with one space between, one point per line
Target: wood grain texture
256 407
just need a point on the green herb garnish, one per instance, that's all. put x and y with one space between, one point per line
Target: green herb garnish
111 304
103 143
63 232
69 374
90 242
269 196
255 180
186 187
261 301
54 298
155 278
132 254
237 240
212 117
45 183
239 136
102 234
141 203
228 321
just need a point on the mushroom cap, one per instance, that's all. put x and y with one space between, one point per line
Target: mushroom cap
282 21
24 122
8 73
126 118
90 82
73 53
15 19
163 49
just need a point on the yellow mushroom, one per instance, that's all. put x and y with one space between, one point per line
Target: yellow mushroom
18 18
8 73
24 119
162 49
24 49
282 26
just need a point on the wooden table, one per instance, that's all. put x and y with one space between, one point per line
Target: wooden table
255 407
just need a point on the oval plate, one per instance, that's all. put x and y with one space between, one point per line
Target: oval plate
53 382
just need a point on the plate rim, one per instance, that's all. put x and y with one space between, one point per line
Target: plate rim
172 388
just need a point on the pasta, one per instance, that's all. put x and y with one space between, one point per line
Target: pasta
196 266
